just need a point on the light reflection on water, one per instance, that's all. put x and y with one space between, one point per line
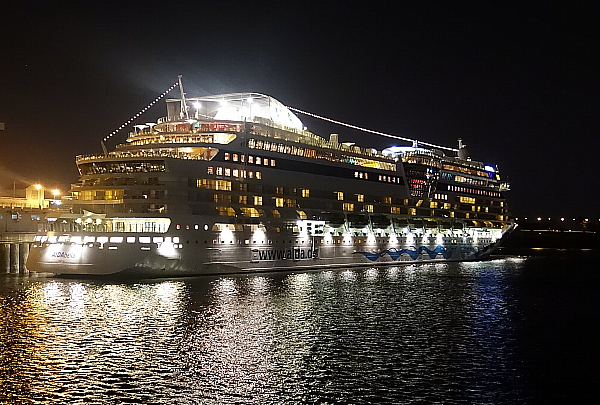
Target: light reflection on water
439 333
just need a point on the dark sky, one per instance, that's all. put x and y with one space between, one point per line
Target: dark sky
518 81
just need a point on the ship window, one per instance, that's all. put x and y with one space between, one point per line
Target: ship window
89 239
305 192
226 211
279 202
360 197
301 214
250 159
387 200
272 162
157 239
226 156
258 175
340 195
102 239
276 213
131 239
144 239
116 239
348 207
258 200
369 208
395 210
219 171
235 157
227 171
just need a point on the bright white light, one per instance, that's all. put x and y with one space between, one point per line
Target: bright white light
197 105
439 239
167 249
489 168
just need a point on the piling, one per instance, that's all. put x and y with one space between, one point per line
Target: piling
4 258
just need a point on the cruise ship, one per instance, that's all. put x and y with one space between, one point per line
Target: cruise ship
235 183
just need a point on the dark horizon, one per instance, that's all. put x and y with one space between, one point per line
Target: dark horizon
518 83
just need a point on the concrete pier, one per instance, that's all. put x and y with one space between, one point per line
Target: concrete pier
13 257
4 258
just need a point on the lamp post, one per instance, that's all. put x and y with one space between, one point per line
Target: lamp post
40 194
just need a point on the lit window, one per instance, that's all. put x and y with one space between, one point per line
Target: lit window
387 200
412 211
433 204
348 206
360 197
235 157
242 199
258 200
226 211
467 200
272 162
305 192
226 156
258 160
279 190
250 159
340 195
210 170
219 171
301 214
258 175
369 208
396 210
279 202
250 212
236 173
266 162
227 171
276 214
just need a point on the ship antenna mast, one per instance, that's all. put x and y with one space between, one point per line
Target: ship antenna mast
184 110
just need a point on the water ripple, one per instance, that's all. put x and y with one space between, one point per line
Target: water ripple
440 333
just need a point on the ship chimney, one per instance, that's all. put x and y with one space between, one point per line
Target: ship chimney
463 152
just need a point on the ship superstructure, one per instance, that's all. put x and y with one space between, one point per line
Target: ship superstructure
235 183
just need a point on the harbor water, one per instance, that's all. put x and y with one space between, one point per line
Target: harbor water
514 330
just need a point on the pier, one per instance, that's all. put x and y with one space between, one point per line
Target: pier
22 214
17 231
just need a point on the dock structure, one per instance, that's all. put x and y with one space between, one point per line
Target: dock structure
22 215
17 231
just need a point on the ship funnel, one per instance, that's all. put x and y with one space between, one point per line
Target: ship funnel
463 152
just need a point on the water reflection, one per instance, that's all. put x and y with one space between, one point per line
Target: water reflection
430 333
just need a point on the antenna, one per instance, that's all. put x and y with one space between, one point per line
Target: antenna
184 111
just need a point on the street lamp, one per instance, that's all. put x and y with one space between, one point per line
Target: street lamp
40 194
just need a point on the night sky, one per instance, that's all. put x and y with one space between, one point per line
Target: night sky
518 81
